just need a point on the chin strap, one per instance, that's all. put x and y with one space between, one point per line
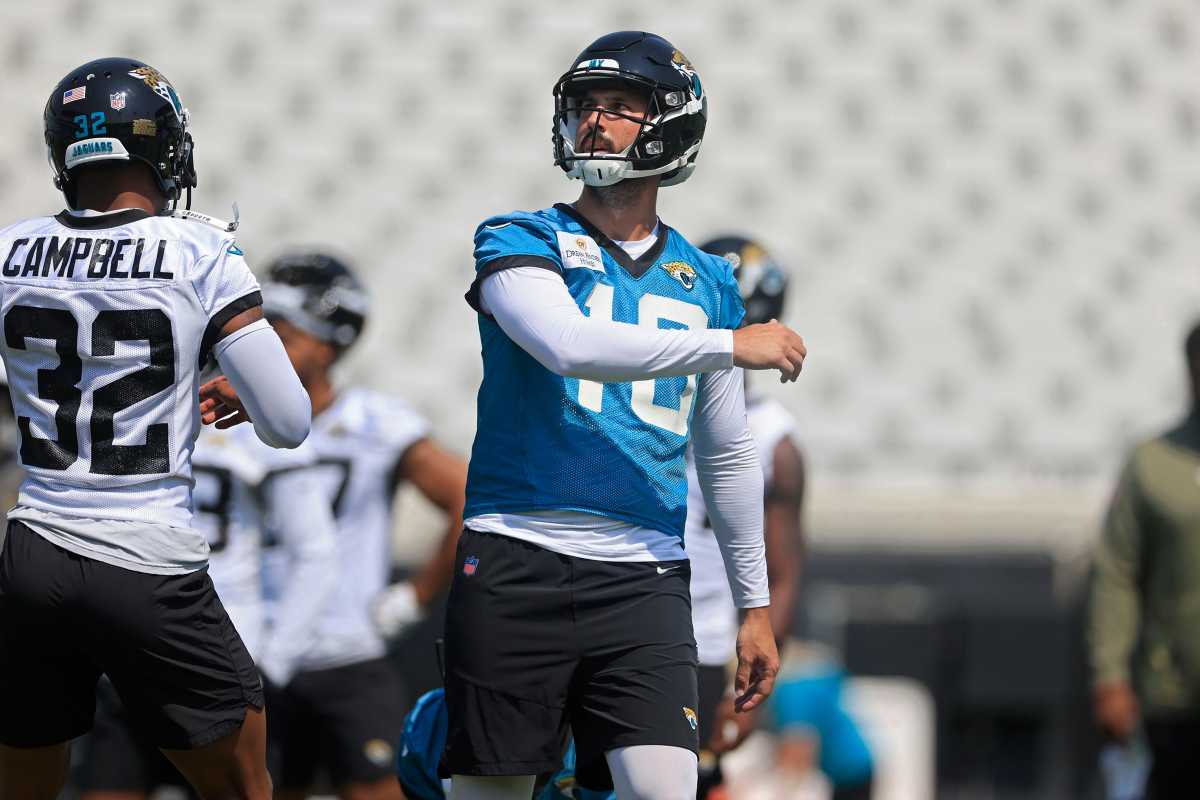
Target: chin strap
196 216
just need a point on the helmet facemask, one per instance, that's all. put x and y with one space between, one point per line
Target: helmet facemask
660 148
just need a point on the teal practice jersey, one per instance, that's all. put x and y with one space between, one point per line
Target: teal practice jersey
548 442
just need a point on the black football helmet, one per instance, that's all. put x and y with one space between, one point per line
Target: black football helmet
669 140
761 280
118 109
317 293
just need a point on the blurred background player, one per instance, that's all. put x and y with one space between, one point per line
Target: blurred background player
344 707
109 308
1144 615
570 604
247 496
763 286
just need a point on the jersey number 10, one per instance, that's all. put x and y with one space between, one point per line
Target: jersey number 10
651 309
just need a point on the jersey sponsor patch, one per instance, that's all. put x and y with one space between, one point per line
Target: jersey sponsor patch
578 251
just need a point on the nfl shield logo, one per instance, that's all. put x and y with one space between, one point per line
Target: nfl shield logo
117 101
470 563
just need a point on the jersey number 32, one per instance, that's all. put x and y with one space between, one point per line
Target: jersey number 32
61 385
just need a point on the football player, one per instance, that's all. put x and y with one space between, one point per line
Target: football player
109 308
763 285
608 342
344 708
247 497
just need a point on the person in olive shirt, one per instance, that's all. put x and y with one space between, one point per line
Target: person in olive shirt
1143 623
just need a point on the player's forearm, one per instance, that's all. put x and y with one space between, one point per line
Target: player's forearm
435 575
254 361
732 485
1113 619
534 308
731 480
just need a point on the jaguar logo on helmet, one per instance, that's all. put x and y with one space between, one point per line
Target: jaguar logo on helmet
683 272
155 80
680 62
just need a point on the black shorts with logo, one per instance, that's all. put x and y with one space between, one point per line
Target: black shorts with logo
346 720
538 642
165 641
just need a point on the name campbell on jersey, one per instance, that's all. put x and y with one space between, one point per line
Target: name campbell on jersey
625 443
106 320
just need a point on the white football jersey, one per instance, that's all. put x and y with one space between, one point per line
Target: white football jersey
714 616
359 442
232 511
107 318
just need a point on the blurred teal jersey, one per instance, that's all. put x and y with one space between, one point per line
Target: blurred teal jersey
548 442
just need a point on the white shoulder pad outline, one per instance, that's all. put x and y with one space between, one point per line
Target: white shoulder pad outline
219 224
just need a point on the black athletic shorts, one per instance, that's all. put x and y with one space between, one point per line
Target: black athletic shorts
165 641
115 758
537 642
346 720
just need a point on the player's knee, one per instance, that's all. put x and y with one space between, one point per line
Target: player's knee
491 787
653 772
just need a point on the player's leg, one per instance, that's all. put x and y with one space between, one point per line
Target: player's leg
653 772
634 704
294 736
511 653
114 763
479 787
184 675
714 682
32 773
49 680
233 766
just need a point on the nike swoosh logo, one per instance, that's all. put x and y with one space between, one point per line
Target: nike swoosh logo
662 571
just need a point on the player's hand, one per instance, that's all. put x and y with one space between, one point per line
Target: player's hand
758 660
1116 709
395 609
220 404
730 728
770 345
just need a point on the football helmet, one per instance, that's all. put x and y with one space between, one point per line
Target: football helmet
761 281
317 293
118 109
669 140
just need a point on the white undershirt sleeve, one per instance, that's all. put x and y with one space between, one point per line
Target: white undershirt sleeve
298 512
534 308
731 479
253 359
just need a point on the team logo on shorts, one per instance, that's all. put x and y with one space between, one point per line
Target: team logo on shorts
470 564
378 752
690 716
683 272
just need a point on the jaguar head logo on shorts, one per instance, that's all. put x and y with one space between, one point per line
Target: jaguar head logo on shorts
378 752
690 716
